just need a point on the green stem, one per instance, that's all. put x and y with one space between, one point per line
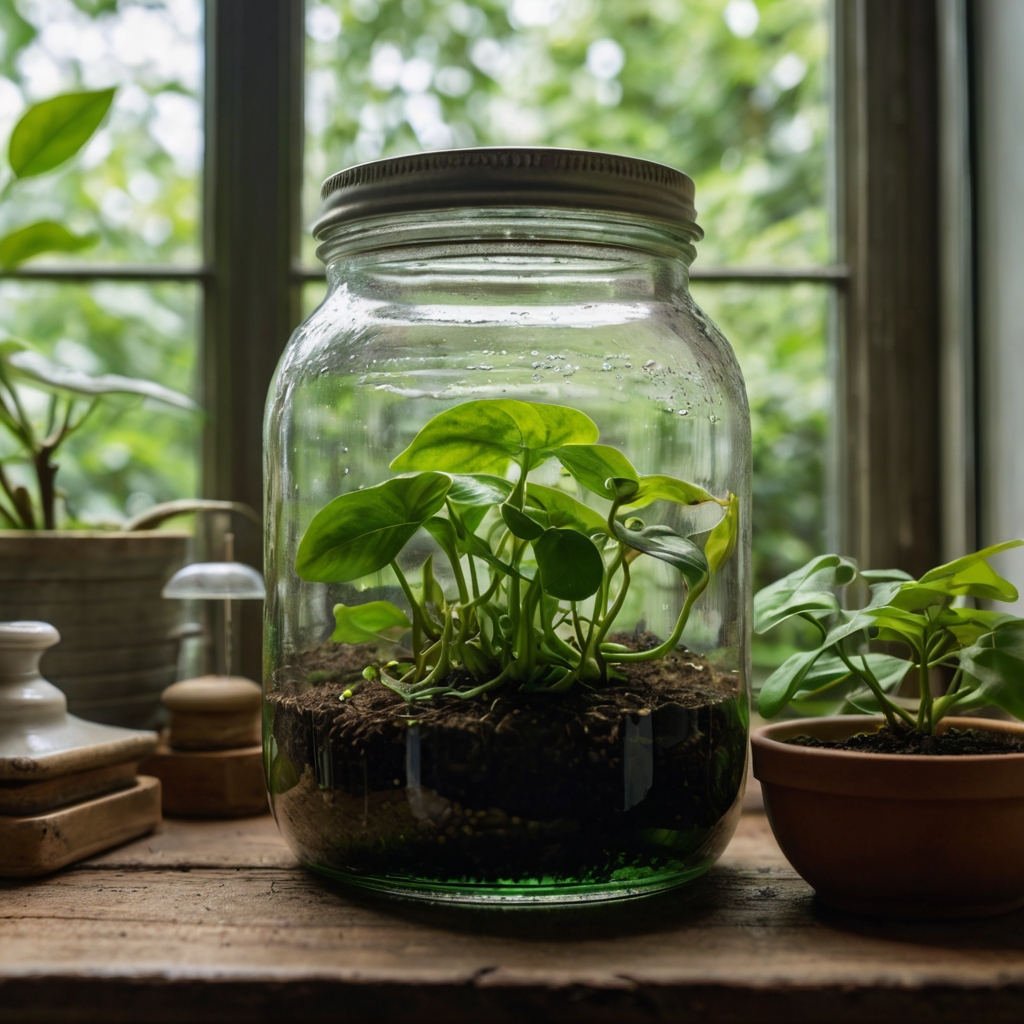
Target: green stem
417 614
616 607
887 707
670 644
440 670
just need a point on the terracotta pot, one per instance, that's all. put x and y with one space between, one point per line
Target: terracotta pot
893 835
101 589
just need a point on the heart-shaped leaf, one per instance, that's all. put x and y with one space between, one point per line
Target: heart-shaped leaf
43 236
665 544
488 435
721 541
55 130
564 510
32 366
594 465
363 623
807 589
362 531
521 525
453 545
571 567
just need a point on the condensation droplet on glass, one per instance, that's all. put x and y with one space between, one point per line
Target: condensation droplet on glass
606 366
535 365
345 471
684 412
650 362
534 352
536 377
713 418
344 450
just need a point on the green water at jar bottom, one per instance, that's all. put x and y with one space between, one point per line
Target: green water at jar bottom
661 821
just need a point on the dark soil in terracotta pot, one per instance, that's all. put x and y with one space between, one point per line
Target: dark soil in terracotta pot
952 741
512 786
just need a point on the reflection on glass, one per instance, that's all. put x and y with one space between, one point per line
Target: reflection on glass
137 183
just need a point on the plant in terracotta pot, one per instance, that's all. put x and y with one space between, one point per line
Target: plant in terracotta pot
101 589
883 812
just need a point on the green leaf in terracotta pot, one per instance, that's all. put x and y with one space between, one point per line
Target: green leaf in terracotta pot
363 623
55 130
571 567
970 576
488 435
35 367
721 541
785 681
595 466
563 510
43 236
995 667
664 543
806 590
362 531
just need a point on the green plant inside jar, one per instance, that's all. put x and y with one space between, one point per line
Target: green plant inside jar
524 556
517 732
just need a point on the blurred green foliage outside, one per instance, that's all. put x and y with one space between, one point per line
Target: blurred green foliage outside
734 92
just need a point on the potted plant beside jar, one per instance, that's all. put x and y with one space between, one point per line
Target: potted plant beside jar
911 810
101 589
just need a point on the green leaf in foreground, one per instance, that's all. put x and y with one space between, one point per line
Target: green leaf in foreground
563 510
55 130
594 466
808 589
488 435
363 623
362 531
665 544
571 567
33 239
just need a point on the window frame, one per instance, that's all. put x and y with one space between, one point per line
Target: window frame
887 328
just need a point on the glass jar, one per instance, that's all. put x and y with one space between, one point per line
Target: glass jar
508 476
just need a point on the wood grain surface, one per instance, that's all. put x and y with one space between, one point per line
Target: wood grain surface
215 921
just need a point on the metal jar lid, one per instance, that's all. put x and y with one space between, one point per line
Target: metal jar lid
508 176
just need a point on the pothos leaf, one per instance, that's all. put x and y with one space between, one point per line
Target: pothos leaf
721 541
476 490
362 531
570 566
488 435
658 487
807 589
564 510
594 466
363 623
665 544
520 524
34 239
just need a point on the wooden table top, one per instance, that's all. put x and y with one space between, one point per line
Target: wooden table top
215 921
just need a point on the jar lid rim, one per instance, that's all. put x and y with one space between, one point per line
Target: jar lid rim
508 176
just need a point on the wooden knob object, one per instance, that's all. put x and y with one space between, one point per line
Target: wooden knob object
213 713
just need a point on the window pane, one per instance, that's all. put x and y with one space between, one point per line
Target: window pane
732 93
779 334
131 452
137 182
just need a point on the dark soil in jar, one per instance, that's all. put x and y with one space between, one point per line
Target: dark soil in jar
951 742
582 786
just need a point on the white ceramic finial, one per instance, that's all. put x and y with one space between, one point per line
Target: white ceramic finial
38 738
